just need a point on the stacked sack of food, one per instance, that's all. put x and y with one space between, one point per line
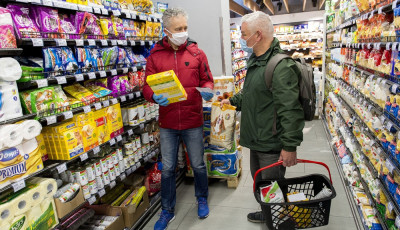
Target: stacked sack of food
70 139
31 207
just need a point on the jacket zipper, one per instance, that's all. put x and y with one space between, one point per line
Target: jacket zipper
179 106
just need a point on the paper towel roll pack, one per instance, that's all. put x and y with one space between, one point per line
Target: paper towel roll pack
14 134
32 206
10 103
10 69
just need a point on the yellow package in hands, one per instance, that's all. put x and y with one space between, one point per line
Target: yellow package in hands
168 85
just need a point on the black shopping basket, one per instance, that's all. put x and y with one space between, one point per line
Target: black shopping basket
297 215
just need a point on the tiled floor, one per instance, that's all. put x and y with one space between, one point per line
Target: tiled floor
229 207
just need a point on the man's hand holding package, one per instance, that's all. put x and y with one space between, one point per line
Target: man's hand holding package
289 158
162 101
225 101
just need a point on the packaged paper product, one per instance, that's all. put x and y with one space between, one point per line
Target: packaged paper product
11 135
11 69
6 213
10 104
16 163
46 218
272 193
222 125
19 222
48 185
30 129
226 164
114 120
168 85
7 37
223 87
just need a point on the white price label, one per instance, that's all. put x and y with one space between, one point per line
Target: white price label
119 42
106 103
91 200
37 42
133 168
141 126
133 15
51 120
87 109
97 105
151 43
104 11
92 75
124 42
112 141
119 138
383 82
129 171
125 70
114 72
128 15
103 74
18 185
72 7
79 77
130 132
104 42
96 149
397 221
42 83
114 101
371 77
61 80
134 69
113 42
122 176
92 42
157 118
97 10
394 88
138 94
394 5
47 2
370 108
62 168
84 157
102 192
142 43
389 165
68 115
112 184
382 118
116 12
133 43
138 165
394 45
130 96
59 4
79 42
61 42
123 98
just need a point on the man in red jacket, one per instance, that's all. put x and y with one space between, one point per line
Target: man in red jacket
181 120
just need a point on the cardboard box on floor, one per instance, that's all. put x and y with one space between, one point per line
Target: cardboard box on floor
65 208
130 213
118 224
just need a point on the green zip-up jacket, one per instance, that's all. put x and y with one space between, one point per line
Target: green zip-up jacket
258 105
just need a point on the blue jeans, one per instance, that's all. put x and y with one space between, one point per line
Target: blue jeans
170 139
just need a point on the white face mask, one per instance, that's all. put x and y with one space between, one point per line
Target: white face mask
178 38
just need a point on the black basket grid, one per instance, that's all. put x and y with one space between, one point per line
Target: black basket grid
297 215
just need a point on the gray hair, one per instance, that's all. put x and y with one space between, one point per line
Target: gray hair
173 12
259 21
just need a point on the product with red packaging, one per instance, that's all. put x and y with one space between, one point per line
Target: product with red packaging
153 179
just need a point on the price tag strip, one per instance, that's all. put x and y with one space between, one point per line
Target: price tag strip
96 150
62 168
112 141
18 185
84 157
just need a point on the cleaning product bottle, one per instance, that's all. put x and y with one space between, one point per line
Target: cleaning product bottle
384 142
388 104
394 109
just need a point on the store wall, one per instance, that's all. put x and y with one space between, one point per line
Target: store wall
204 28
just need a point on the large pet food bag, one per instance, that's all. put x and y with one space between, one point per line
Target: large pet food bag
168 85
224 87
222 125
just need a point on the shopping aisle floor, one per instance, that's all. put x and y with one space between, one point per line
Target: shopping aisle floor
229 207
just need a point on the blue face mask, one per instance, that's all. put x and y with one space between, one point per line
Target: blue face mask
243 44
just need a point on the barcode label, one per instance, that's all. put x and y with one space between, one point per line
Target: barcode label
84 157
96 149
18 185
62 168
37 42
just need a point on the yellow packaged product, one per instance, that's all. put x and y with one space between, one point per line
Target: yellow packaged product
149 30
114 120
82 2
156 29
19 161
81 93
168 85
87 128
42 146
103 134
68 141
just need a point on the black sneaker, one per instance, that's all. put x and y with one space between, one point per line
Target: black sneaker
256 217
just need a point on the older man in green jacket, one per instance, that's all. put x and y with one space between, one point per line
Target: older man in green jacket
272 120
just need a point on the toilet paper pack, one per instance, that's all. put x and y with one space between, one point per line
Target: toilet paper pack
10 104
20 161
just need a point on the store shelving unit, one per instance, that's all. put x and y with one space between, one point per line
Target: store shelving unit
238 57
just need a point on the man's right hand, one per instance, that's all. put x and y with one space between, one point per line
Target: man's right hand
162 101
225 101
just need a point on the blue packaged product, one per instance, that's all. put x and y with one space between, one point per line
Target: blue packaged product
223 164
97 59
122 60
346 160
69 62
130 56
207 116
52 59
84 59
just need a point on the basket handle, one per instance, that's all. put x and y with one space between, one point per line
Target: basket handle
298 161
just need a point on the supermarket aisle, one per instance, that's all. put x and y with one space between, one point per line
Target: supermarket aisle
229 207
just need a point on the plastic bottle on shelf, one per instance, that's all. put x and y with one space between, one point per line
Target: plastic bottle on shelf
384 142
394 108
388 104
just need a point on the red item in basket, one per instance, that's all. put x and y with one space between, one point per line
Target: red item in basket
153 180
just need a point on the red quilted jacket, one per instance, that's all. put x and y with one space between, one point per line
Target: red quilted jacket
191 67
